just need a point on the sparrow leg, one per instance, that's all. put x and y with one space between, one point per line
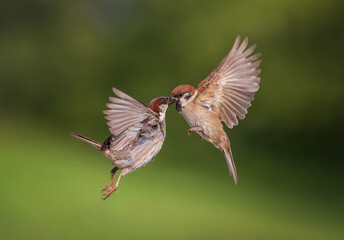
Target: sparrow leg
196 129
110 189
113 172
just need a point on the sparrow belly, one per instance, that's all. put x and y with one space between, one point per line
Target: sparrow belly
120 159
196 118
191 119
145 150
208 121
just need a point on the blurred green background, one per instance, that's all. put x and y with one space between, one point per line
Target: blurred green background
58 62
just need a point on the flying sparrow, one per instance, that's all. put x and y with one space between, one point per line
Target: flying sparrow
138 133
224 95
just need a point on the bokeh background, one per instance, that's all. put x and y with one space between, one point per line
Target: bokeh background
58 62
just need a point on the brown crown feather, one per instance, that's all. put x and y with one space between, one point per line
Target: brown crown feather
154 104
183 89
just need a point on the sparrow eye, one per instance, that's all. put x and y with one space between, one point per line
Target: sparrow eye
164 101
180 95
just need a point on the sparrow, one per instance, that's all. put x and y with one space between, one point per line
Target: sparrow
137 134
223 96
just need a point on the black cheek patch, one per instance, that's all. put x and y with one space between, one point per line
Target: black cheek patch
178 106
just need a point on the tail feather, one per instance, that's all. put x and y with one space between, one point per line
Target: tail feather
95 144
231 164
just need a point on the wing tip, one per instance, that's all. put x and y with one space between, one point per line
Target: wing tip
120 93
237 39
108 105
236 43
243 45
115 90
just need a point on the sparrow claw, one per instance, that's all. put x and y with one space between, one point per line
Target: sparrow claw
108 191
105 187
198 130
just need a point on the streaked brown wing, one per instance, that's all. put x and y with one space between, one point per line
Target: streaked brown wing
127 138
231 86
126 112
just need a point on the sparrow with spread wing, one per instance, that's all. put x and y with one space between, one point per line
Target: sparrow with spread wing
138 133
224 95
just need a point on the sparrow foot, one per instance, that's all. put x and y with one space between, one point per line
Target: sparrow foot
108 191
196 129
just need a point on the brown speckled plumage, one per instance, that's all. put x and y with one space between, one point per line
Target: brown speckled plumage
138 133
224 95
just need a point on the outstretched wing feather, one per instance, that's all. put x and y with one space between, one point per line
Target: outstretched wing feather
125 112
233 83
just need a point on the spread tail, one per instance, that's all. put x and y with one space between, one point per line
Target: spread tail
95 144
231 164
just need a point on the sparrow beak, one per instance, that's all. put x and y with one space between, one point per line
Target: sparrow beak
171 100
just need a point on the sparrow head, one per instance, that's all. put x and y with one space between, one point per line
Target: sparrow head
182 95
160 105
